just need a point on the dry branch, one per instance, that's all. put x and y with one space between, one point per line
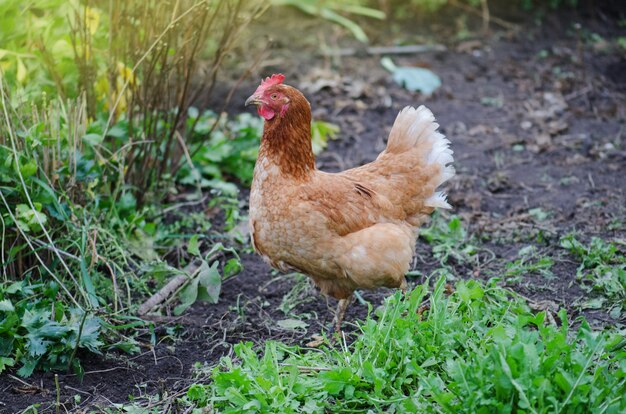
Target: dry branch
166 291
173 285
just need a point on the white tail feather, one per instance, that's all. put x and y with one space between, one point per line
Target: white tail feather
439 199
416 128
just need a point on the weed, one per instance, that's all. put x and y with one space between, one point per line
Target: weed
205 283
478 350
300 293
539 214
221 148
602 270
529 262
37 55
39 329
449 240
321 132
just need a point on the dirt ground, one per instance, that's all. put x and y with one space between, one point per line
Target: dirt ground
537 121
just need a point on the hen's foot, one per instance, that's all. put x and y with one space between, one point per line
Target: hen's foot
341 312
404 287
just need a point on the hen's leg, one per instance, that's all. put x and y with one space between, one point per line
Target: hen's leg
341 312
404 286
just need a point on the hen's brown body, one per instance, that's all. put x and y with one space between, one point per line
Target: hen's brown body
349 230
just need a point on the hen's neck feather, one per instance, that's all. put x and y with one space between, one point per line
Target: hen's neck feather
286 140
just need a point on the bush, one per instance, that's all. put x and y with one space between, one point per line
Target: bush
103 133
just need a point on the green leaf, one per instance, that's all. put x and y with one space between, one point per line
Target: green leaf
292 324
320 133
354 28
197 392
595 303
90 334
6 362
413 78
93 139
187 297
88 284
36 345
232 267
335 381
6 305
469 290
127 202
28 219
227 189
192 112
524 402
28 169
364 11
539 214
21 71
117 131
210 281
28 367
192 246
14 288
206 286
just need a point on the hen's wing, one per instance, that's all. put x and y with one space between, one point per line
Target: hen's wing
348 204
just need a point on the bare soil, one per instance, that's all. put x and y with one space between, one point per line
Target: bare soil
536 120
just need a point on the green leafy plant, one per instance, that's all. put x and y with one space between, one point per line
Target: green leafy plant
335 11
38 329
62 220
135 83
221 148
479 349
530 262
321 132
205 283
602 270
449 240
106 132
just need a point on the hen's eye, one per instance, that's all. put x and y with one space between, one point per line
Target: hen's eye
273 96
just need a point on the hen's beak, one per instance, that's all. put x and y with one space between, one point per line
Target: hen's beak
253 100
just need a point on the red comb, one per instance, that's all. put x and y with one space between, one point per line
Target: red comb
275 79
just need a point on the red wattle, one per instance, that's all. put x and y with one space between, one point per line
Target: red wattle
265 112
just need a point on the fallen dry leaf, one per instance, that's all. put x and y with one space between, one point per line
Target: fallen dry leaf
316 342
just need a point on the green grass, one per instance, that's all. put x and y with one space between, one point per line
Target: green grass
478 350
530 261
601 272
449 240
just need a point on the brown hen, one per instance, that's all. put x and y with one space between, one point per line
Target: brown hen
350 230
